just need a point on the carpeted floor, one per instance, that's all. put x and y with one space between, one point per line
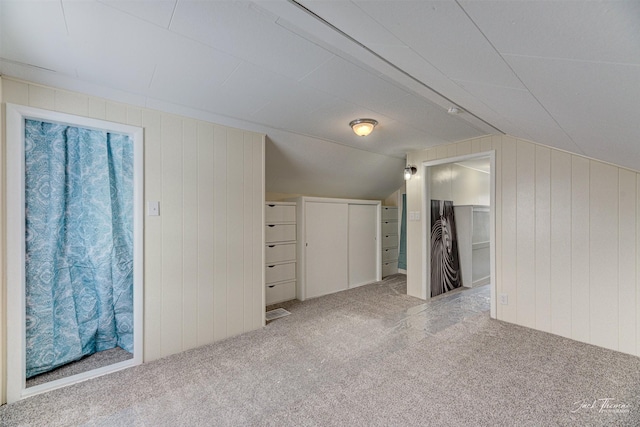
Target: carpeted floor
370 356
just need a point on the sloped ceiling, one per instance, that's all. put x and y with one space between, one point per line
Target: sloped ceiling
565 74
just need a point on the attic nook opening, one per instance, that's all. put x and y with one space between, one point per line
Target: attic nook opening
75 208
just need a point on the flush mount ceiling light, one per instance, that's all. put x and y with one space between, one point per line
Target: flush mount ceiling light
409 171
363 127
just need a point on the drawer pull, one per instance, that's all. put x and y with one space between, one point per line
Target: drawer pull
272 246
271 206
271 286
270 266
271 225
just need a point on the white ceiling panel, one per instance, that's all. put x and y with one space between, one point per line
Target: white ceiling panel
293 110
158 12
259 82
580 96
521 110
349 82
600 31
207 71
426 27
35 33
229 102
433 120
113 48
346 14
413 139
245 32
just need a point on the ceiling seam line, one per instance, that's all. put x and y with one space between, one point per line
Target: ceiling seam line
173 13
64 16
386 61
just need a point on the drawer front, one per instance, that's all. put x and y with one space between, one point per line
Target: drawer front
390 227
389 212
278 253
279 213
279 293
389 254
389 268
280 233
280 272
389 240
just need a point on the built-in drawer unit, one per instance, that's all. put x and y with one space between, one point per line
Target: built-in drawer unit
280 272
389 267
389 254
280 233
279 253
389 227
278 213
280 292
389 213
389 240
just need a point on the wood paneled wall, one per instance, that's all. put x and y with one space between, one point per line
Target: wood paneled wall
203 262
567 240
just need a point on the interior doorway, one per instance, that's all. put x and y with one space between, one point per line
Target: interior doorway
459 225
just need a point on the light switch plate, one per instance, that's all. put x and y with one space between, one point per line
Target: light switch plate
153 208
504 299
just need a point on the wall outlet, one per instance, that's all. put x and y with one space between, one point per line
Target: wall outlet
504 299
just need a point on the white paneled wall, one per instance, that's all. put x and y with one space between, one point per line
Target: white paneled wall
203 254
462 185
567 240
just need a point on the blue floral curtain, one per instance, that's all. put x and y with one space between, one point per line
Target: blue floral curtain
79 243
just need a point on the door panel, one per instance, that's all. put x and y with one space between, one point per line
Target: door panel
326 232
363 227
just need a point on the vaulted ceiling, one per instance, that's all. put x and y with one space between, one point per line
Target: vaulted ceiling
561 73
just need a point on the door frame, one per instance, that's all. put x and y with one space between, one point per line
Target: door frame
426 223
15 208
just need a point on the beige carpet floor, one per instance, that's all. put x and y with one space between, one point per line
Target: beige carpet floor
370 356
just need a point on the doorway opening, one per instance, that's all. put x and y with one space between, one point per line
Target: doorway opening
74 234
459 225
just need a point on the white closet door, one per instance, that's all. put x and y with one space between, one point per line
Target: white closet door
326 248
363 229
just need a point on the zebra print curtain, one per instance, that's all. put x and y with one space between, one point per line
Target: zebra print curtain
445 262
